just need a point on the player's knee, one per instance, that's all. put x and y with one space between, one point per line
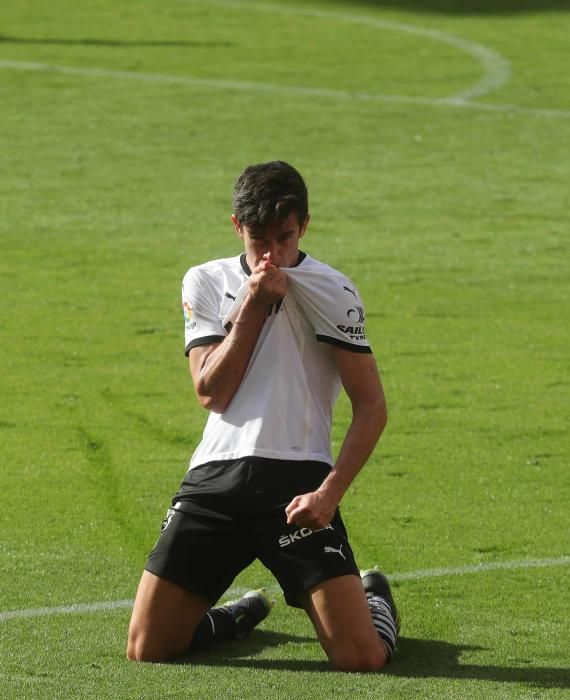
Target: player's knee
364 660
141 648
141 653
136 649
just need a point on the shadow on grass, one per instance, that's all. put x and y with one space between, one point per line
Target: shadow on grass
416 658
427 658
467 7
239 653
53 41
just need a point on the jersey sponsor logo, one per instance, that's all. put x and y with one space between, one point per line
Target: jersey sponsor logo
353 332
332 550
297 535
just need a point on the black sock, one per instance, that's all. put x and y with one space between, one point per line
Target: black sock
217 625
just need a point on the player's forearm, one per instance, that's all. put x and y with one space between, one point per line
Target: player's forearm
368 422
224 369
315 510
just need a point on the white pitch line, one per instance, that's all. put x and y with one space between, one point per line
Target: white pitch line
496 68
479 568
243 86
239 590
63 609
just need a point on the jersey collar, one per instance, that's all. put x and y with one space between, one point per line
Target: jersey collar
247 269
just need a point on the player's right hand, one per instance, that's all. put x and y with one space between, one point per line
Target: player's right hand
267 283
313 510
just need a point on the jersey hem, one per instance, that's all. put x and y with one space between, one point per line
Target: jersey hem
268 454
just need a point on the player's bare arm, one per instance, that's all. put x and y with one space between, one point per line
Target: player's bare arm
217 370
361 381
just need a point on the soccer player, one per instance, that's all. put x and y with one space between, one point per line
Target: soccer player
271 335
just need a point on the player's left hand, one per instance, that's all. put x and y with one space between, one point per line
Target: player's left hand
312 510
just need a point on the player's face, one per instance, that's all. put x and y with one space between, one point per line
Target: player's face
280 238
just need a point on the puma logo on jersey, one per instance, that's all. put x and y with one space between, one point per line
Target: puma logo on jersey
332 550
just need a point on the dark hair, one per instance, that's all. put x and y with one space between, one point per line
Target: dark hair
269 192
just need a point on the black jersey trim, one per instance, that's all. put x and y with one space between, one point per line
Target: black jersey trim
343 344
246 268
204 340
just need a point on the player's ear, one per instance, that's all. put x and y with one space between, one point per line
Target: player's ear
237 226
304 226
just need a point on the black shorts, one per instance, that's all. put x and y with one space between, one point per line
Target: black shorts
227 514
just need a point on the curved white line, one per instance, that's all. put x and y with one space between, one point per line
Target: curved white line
496 68
240 590
243 86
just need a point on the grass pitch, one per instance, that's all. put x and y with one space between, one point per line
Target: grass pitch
122 128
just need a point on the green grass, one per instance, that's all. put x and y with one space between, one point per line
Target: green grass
454 223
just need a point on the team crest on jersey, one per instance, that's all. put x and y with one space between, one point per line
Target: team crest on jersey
354 329
356 314
166 521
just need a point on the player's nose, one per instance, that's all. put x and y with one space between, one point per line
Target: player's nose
273 249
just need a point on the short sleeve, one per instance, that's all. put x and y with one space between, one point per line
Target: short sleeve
334 308
201 305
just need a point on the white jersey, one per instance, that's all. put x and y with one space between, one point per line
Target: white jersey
283 406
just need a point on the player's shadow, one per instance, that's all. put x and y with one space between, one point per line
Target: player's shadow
416 658
467 7
241 653
426 658
121 43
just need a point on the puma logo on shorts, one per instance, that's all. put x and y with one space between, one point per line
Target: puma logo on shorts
332 550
